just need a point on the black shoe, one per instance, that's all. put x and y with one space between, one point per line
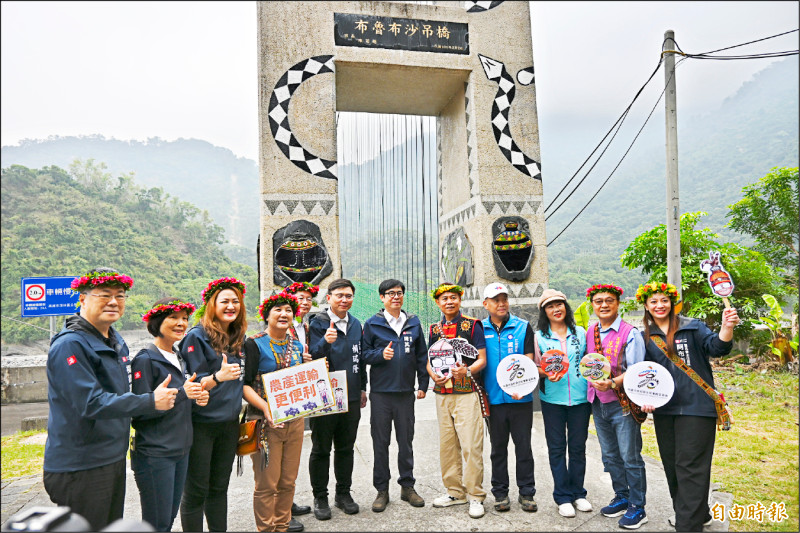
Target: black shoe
322 510
345 503
295 525
300 510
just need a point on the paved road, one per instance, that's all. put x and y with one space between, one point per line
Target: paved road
23 493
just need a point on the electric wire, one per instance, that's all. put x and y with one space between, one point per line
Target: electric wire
619 162
616 125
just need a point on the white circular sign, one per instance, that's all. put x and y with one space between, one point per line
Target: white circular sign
517 374
648 383
34 293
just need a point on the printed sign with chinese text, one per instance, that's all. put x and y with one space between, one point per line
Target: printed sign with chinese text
401 34
298 391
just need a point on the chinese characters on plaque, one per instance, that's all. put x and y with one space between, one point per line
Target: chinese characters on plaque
401 34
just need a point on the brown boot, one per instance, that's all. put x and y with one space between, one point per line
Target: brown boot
381 501
408 494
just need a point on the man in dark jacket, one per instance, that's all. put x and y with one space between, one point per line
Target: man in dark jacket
394 347
88 376
336 334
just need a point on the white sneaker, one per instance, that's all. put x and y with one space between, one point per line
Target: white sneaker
583 505
566 510
476 509
446 501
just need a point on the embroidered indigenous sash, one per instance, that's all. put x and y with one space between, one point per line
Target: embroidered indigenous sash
724 415
628 407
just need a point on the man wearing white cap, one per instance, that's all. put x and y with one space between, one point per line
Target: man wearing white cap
510 415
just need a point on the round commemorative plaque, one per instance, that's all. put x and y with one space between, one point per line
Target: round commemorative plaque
648 383
554 363
517 374
594 367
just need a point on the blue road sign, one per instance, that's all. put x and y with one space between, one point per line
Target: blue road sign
48 296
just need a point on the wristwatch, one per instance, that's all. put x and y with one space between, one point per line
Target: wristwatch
214 377
613 384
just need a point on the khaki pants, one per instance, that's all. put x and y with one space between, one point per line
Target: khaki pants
274 485
461 434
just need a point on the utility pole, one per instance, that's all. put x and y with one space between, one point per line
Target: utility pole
673 203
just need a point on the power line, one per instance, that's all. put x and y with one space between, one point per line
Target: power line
620 120
617 165
617 125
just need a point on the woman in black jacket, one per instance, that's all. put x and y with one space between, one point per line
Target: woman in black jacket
160 449
686 425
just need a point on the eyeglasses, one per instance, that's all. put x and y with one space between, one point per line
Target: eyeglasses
108 297
607 301
303 299
394 294
340 296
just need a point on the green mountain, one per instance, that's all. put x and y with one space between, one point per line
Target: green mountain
210 177
54 224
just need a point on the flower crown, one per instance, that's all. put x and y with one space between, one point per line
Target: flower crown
277 299
219 284
174 306
446 287
594 289
96 279
648 289
294 288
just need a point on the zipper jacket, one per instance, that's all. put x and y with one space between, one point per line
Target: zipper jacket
410 358
88 392
571 388
343 354
165 433
695 343
224 400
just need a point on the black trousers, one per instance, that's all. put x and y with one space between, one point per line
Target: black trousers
337 431
385 408
210 466
97 494
515 420
686 446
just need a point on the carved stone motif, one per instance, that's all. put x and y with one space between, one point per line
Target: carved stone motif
457 258
512 248
299 254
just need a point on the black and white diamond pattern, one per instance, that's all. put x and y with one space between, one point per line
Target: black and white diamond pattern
496 71
477 6
279 116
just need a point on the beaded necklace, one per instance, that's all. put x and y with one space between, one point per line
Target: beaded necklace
283 359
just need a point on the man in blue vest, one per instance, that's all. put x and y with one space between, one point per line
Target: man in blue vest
512 416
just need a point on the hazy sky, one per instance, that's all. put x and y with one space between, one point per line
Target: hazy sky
133 70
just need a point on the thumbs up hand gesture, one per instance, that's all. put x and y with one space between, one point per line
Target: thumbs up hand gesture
228 371
306 356
331 334
202 400
388 352
192 388
163 396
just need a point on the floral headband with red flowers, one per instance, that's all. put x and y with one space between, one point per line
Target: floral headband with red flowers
174 306
214 286
219 284
96 279
277 299
294 288
594 289
648 289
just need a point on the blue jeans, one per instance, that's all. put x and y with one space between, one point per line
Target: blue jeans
621 446
566 428
160 481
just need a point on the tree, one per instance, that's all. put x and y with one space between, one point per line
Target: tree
769 213
751 273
